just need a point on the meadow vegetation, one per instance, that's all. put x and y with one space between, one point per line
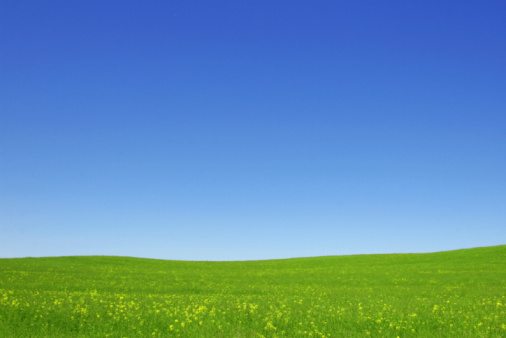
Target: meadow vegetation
457 293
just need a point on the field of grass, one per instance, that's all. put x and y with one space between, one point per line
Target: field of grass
457 293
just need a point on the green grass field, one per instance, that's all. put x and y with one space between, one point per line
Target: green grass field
457 293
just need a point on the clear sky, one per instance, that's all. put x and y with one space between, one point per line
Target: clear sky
232 130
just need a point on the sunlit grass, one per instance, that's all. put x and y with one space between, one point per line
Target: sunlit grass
459 293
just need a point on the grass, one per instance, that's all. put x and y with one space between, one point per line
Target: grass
457 293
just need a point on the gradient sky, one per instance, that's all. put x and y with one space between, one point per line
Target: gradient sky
232 130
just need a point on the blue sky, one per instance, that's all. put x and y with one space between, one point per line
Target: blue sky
233 130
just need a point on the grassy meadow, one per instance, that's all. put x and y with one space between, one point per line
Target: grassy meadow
456 293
